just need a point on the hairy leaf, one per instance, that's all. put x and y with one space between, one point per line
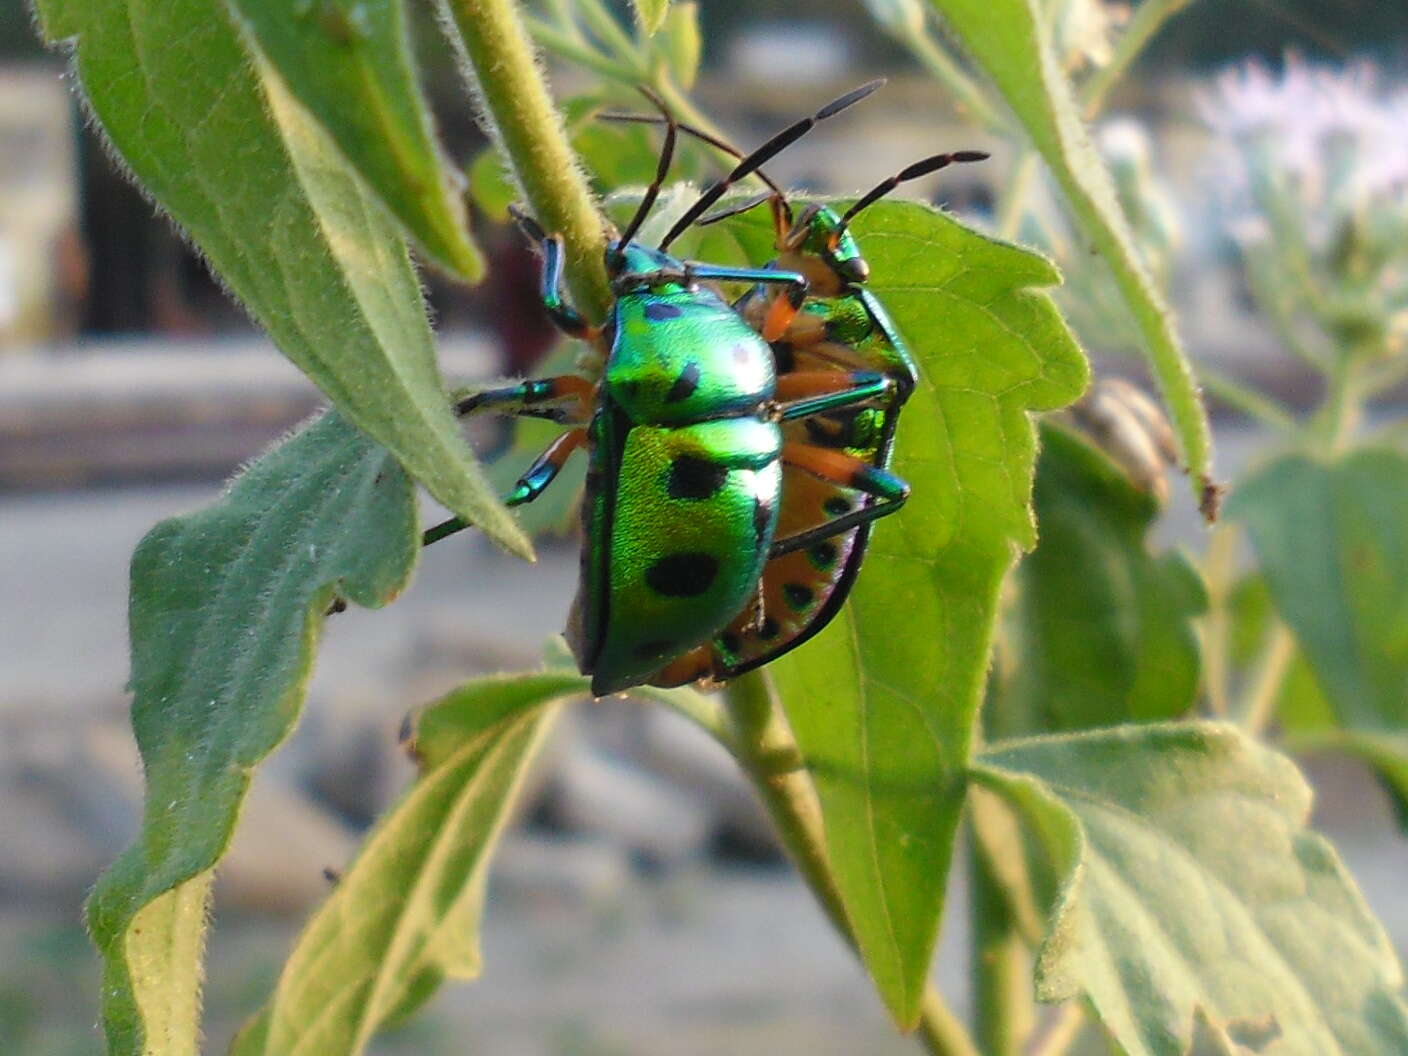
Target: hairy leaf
1102 631
1010 39
226 607
406 915
882 702
351 65
1333 552
1178 879
257 184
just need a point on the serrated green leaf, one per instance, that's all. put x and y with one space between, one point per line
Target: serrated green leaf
406 915
1010 39
882 702
225 610
1330 539
261 189
350 64
1102 631
651 14
1177 874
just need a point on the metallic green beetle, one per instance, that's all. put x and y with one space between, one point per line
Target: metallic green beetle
684 441
829 502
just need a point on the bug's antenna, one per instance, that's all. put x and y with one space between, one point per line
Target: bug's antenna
911 172
763 154
718 143
662 169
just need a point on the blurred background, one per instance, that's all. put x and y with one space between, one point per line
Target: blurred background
640 904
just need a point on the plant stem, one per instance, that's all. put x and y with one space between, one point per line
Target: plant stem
965 90
1219 572
767 752
1001 974
1260 701
577 50
1148 18
528 130
1064 1029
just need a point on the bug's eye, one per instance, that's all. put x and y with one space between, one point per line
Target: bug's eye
854 270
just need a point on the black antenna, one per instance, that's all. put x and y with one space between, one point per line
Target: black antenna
763 154
662 169
911 172
704 137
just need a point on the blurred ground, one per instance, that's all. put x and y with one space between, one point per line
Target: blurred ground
638 907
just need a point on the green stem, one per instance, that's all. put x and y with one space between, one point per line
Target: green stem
604 25
764 747
1012 206
1001 971
1219 572
1265 687
529 132
574 49
966 91
1148 19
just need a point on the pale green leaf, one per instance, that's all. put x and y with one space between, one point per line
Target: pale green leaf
1177 874
1333 551
884 718
351 65
1102 630
651 14
226 607
261 189
406 915
1010 39
681 42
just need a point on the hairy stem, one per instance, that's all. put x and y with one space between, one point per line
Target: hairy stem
529 131
1001 972
765 749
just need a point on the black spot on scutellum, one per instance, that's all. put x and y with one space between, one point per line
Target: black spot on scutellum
692 477
798 595
657 310
684 575
837 505
684 385
823 555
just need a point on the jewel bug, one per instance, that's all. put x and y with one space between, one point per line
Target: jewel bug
828 502
683 436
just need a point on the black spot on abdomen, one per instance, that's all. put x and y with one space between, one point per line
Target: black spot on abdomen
692 477
684 385
797 595
837 505
823 555
684 575
657 310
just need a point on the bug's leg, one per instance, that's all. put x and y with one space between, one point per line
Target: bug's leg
562 314
533 483
783 308
804 393
889 491
536 398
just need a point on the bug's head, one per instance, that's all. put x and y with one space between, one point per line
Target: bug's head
636 258
819 245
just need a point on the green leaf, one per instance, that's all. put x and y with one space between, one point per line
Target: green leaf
1102 631
1330 538
1175 868
226 607
350 63
681 42
882 702
1010 39
651 14
406 915
261 189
